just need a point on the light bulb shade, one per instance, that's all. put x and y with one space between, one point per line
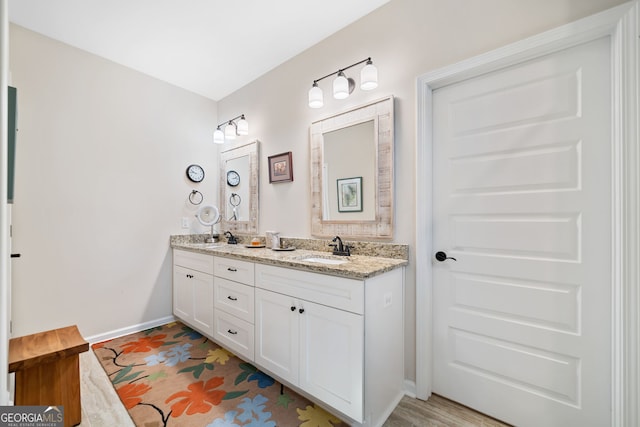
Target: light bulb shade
369 77
315 97
340 86
230 131
218 136
243 126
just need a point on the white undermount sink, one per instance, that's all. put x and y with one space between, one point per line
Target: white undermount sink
207 245
320 260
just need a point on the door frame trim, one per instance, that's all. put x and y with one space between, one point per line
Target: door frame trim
5 278
621 25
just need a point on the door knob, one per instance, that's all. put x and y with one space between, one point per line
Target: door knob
442 256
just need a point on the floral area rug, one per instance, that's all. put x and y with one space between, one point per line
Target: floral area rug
172 376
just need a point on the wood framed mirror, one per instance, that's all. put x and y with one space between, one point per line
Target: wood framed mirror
352 173
239 199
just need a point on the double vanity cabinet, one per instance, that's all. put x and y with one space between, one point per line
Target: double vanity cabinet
336 339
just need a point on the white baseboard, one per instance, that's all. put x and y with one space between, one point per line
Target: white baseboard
410 388
130 329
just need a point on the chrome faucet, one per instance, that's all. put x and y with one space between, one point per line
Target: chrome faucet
339 248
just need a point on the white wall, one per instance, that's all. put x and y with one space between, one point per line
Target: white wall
405 38
100 185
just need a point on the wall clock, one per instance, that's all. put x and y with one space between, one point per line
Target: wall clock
233 178
195 173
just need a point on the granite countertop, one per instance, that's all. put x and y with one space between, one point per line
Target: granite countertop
355 267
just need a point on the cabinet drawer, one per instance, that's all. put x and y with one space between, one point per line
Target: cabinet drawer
337 292
234 298
234 334
193 261
233 269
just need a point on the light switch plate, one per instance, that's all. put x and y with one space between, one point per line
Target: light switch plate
185 222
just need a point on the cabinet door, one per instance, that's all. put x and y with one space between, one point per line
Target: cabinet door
193 298
203 302
182 293
332 357
277 331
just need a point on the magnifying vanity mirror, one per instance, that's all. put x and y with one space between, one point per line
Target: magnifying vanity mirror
209 215
352 173
239 188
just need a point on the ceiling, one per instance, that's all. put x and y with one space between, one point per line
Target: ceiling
210 47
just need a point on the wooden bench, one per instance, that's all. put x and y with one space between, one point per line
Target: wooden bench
47 367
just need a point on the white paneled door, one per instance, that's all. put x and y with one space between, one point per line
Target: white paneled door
522 201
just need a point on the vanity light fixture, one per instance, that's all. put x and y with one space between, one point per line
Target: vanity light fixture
231 130
343 85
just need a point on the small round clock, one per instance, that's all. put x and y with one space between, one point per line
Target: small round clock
233 178
195 173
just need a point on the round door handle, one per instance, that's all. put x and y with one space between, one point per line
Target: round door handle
442 256
301 310
293 308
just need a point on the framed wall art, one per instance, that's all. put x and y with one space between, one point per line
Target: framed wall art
281 168
350 194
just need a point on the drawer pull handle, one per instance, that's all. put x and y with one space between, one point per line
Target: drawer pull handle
232 332
293 308
232 298
231 269
301 311
190 276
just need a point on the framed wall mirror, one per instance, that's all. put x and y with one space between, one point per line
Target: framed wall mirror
352 173
239 189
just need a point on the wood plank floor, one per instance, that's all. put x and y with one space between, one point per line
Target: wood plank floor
437 412
101 406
